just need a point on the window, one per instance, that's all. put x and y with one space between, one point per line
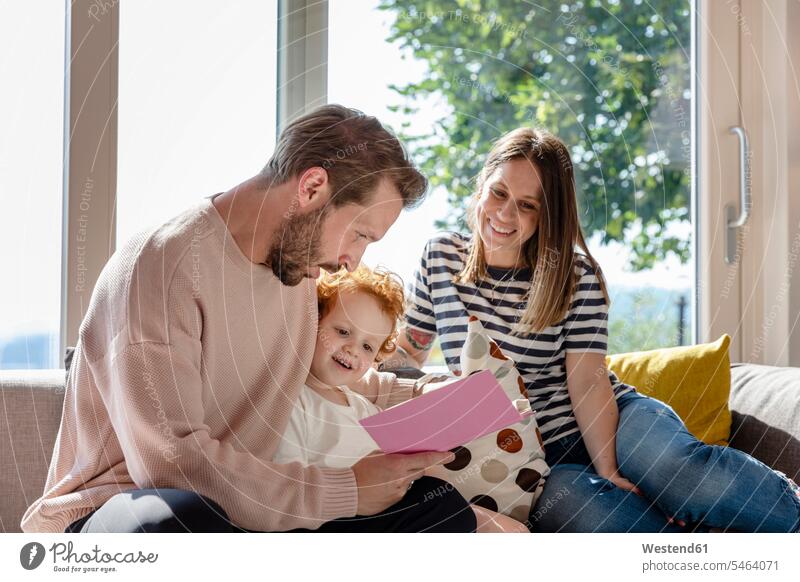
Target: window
348 85
351 27
31 153
197 103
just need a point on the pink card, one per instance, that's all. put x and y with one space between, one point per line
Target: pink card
445 418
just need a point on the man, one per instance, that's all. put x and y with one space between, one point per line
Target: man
198 338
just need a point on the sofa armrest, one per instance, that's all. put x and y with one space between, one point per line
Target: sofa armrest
32 402
765 410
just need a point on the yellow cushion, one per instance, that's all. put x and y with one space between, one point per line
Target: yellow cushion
694 380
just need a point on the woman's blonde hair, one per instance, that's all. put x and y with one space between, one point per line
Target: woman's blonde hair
380 283
550 252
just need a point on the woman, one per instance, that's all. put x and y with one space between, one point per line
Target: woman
620 461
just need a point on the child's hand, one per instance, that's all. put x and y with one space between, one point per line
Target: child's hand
419 388
417 391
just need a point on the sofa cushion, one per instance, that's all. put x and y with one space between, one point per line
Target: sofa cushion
32 402
765 402
693 380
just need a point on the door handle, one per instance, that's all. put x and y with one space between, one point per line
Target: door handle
734 220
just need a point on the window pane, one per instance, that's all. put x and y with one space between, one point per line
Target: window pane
31 152
612 80
197 87
351 27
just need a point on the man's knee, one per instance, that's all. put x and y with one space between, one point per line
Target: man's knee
444 507
158 510
190 511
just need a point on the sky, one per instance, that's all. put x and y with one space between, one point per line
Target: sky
196 116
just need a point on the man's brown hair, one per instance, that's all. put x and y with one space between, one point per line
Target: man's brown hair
356 150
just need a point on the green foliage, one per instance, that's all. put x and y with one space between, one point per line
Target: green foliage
610 78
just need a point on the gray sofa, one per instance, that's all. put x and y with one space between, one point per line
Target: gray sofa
765 402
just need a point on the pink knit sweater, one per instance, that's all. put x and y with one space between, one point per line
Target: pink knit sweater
189 360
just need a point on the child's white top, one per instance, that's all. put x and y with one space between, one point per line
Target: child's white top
324 433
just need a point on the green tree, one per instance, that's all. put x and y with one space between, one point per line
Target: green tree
610 78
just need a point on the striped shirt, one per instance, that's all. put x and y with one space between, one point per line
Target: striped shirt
440 306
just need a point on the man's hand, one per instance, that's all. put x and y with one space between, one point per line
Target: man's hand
383 480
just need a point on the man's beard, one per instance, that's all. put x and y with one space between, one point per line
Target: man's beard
296 245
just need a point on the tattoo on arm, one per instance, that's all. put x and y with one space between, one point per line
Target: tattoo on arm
419 340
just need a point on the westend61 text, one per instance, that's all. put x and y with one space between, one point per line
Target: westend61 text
675 549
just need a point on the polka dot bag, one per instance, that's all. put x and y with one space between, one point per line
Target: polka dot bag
502 471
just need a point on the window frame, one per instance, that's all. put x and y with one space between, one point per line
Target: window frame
721 299
90 156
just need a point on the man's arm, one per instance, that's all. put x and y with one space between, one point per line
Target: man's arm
396 360
384 389
152 391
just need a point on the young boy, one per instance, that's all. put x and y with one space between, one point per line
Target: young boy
358 315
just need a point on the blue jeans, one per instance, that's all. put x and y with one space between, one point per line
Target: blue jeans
704 485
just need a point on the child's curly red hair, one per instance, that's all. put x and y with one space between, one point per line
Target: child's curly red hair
382 284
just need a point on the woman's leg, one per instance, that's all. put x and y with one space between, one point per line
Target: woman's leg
693 481
156 510
576 499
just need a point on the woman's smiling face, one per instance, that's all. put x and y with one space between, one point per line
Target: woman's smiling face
507 213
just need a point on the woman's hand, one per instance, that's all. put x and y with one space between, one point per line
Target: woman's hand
623 483
398 359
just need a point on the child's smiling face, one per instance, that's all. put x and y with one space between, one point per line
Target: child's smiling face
349 338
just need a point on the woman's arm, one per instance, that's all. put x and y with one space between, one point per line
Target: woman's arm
417 344
596 412
397 359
